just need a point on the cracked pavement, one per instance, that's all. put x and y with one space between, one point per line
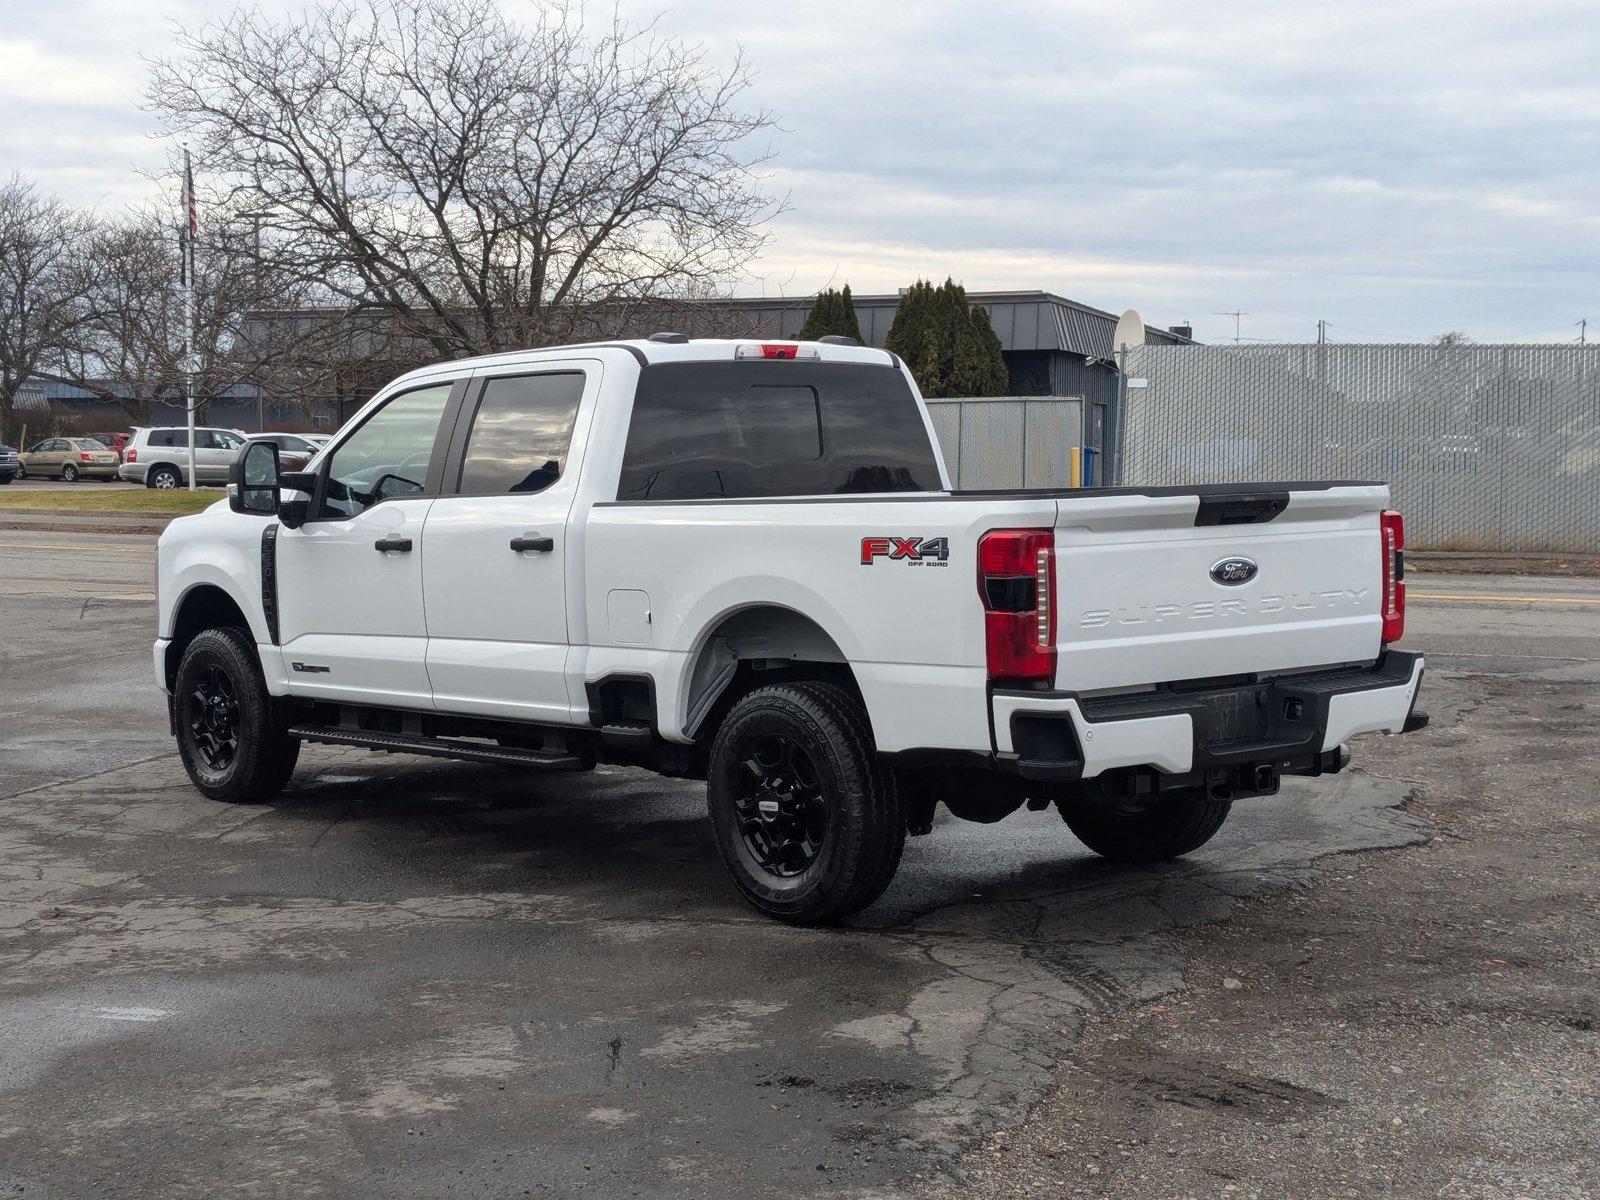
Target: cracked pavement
415 978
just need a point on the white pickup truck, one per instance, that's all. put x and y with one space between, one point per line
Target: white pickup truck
744 562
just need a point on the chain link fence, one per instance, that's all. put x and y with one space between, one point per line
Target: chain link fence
1484 447
1008 441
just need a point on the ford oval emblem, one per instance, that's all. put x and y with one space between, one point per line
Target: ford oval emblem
1231 572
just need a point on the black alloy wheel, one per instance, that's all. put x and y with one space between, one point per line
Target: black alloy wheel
212 711
805 815
233 736
782 813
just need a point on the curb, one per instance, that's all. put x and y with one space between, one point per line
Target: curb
130 523
1469 562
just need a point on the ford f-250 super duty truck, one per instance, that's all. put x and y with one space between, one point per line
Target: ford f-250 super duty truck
744 562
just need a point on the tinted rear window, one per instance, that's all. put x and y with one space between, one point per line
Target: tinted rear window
756 429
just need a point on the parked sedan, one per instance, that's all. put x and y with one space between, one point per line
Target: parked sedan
70 459
294 450
10 464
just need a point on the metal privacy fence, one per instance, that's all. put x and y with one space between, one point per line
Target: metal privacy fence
1008 441
1484 447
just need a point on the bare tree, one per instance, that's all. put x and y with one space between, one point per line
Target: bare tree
40 294
129 345
478 183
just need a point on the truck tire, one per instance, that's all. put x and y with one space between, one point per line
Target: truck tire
231 733
1172 826
806 819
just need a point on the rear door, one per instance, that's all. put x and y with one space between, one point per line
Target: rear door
215 453
351 622
1164 587
495 547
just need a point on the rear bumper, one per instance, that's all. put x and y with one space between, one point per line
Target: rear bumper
1290 722
132 472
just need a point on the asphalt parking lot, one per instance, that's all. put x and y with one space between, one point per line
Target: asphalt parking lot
415 978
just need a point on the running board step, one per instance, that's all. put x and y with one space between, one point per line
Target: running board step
406 743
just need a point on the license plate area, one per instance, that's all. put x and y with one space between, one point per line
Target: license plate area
1241 714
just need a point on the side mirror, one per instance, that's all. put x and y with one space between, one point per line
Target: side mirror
293 513
253 480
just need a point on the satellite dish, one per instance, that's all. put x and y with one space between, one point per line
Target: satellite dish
1129 331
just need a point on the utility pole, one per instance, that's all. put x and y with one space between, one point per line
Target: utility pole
1236 314
1583 332
1322 333
191 230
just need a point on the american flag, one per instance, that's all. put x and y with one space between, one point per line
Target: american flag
191 212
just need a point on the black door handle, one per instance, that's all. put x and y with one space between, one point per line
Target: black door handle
401 544
541 544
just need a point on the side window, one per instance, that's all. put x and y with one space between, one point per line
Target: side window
388 457
170 437
221 439
521 433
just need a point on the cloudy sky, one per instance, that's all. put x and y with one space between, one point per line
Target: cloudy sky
1398 169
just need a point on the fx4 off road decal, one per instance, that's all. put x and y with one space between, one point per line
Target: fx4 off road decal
913 551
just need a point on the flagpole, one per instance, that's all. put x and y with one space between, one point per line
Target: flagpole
190 228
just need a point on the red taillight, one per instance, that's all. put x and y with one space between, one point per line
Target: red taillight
85 456
1393 531
1016 580
131 454
775 350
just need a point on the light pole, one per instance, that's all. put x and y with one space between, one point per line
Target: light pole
191 231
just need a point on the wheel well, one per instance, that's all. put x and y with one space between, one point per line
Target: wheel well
204 607
752 648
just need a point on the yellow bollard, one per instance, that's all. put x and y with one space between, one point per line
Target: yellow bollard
1075 470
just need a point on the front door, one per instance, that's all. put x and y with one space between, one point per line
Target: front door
494 551
351 624
45 458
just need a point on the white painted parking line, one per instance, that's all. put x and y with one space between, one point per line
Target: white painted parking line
145 1015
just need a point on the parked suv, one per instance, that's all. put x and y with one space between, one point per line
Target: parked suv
159 457
70 459
10 464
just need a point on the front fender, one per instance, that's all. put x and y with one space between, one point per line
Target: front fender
227 558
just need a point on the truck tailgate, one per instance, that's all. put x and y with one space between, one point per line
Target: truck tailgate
1146 595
